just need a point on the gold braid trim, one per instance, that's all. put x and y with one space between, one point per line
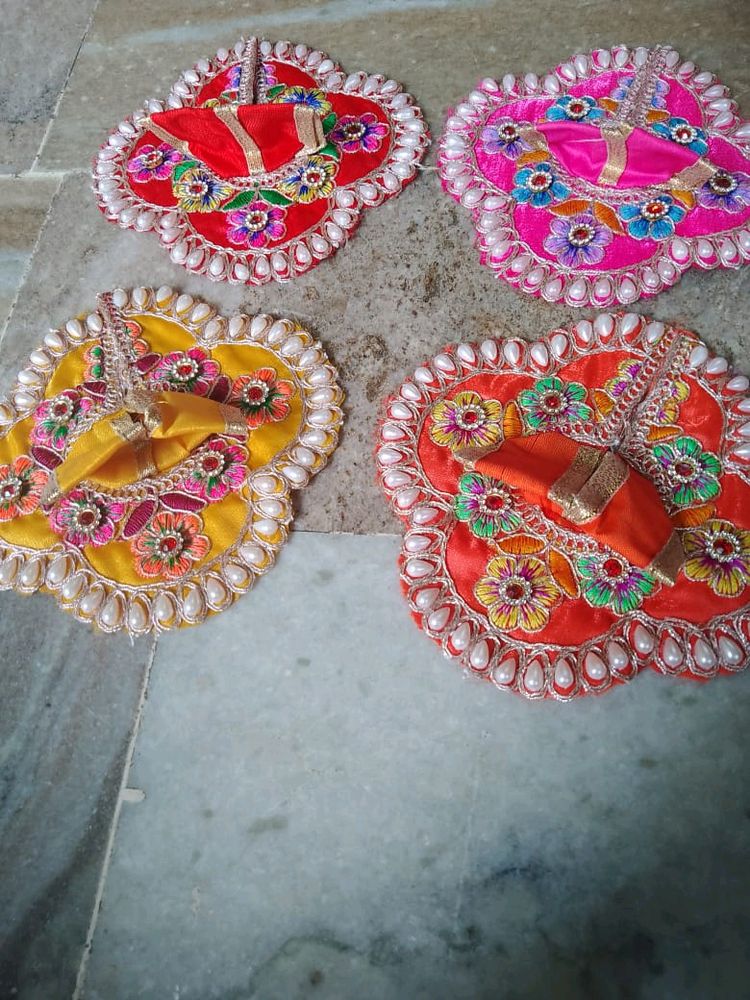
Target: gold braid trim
563 491
51 492
137 436
693 177
667 563
608 477
617 153
234 420
534 138
227 115
309 127
162 133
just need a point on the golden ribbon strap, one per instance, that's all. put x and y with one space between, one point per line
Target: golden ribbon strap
234 420
227 115
137 436
309 127
667 563
563 491
693 177
162 133
617 153
588 484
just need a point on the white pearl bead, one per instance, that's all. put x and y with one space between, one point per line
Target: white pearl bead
671 653
424 515
460 637
425 598
90 602
252 554
216 592
417 543
32 574
265 527
265 484
193 604
563 675
8 571
617 656
237 575
479 656
418 568
533 678
271 508
295 475
729 652
643 640
59 569
439 619
698 356
704 656
594 665
183 303
165 610
72 587
137 616
112 613
604 325
505 672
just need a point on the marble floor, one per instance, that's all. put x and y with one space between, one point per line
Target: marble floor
334 810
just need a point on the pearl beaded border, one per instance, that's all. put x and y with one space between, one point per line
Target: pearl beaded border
537 670
111 606
501 247
120 204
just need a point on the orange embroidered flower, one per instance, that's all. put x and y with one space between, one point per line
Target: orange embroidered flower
518 593
718 553
169 545
262 396
21 485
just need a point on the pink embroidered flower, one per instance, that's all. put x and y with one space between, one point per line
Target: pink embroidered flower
186 371
730 191
83 517
55 418
256 224
578 241
262 396
21 485
354 134
219 470
170 545
153 163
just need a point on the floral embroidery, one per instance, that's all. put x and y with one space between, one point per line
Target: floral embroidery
504 137
467 421
577 109
729 191
538 186
669 408
256 224
154 163
94 356
170 545
197 191
654 219
657 101
262 396
680 130
609 582
311 98
552 401
21 485
692 473
313 179
486 505
718 554
186 371
235 75
578 241
354 135
86 518
219 470
518 593
625 373
55 418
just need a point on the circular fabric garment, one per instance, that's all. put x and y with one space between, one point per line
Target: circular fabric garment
603 180
261 161
576 509
148 454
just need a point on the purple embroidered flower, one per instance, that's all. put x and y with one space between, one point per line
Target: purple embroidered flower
153 163
579 240
657 101
353 134
86 518
504 137
256 224
725 190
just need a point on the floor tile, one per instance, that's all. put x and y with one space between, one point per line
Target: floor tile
38 47
332 810
68 703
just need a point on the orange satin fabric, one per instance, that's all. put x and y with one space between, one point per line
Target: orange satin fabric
633 523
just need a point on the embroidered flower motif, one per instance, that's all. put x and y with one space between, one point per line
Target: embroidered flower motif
725 190
467 421
610 582
313 179
622 89
504 136
576 109
692 474
21 485
353 134
718 553
680 130
518 593
486 505
55 418
577 241
197 191
311 98
262 396
153 163
536 185
218 470
235 75
186 371
83 517
625 372
553 401
669 407
94 356
169 545
256 224
655 219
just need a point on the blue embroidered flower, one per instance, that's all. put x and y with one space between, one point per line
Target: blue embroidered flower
537 185
661 90
654 219
680 130
575 109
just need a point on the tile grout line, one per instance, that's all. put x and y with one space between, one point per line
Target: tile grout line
109 849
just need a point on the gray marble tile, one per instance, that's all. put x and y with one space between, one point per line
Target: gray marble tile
68 704
331 810
38 46
436 48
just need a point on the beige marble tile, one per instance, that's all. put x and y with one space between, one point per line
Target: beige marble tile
39 43
437 49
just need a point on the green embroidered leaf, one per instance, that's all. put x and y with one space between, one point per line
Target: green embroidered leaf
180 169
243 198
274 198
274 91
328 122
331 150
